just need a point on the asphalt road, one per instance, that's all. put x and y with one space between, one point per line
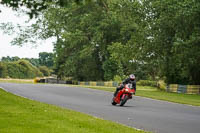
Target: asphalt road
143 113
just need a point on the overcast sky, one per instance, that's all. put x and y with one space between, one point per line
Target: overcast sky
7 15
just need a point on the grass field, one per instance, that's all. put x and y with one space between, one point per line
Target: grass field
20 115
153 92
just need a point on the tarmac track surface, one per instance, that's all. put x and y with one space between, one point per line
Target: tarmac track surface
142 113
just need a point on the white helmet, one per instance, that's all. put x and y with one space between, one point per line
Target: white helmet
132 76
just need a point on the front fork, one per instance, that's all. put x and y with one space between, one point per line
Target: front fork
123 96
129 96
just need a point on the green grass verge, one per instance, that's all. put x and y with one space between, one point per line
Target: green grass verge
154 93
17 80
190 99
20 115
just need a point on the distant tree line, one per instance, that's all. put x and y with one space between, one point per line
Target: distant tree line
109 39
14 67
45 59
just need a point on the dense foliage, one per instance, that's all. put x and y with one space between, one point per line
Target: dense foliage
45 70
104 40
34 6
175 28
45 59
92 41
15 67
3 70
21 69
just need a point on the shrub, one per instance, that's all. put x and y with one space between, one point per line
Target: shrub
162 85
45 70
147 83
75 82
22 69
117 78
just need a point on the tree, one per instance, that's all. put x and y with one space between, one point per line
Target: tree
33 61
174 29
3 70
100 40
78 52
46 59
36 6
85 32
10 59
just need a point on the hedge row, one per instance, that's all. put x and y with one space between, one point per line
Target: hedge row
97 83
147 83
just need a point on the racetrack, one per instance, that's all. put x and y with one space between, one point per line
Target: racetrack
142 113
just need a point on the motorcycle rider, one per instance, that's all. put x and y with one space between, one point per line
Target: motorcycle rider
130 80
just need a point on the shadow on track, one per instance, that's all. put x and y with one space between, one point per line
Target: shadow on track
125 106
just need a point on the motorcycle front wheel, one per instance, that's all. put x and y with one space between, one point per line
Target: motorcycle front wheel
113 102
123 101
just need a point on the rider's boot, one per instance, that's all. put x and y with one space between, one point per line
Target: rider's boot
115 94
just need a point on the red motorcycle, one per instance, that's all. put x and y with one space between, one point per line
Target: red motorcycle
123 95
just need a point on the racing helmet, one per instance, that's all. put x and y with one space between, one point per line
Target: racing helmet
132 77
